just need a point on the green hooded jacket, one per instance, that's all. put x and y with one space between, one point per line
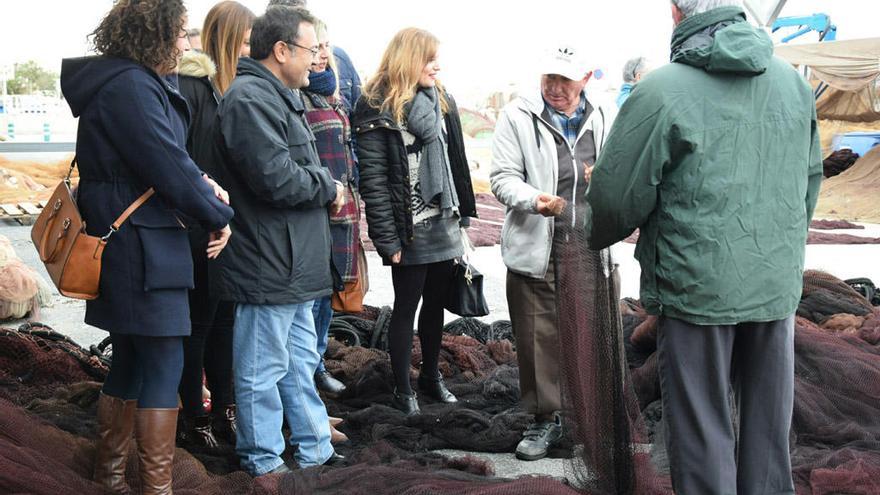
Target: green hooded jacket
716 159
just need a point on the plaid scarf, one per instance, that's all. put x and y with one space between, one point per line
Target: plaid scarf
333 140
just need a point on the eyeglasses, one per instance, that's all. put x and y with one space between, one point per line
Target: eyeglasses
313 50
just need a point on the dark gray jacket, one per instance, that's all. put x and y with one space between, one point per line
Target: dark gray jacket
279 252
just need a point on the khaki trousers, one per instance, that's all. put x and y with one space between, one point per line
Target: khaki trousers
532 304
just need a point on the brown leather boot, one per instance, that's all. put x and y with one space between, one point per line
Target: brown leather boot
115 425
337 436
155 430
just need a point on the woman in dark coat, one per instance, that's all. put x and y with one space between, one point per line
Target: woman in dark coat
131 136
325 112
415 181
204 77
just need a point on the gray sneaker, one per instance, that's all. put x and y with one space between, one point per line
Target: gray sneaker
537 439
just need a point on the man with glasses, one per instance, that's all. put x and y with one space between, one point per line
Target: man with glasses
280 262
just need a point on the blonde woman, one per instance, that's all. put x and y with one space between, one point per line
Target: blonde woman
415 182
204 77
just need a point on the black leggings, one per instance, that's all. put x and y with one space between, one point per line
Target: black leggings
430 283
145 368
209 347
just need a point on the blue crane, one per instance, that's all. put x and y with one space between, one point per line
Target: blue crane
819 23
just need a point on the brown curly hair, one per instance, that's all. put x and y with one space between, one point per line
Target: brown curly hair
144 31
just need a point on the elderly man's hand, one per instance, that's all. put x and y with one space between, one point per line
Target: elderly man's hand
588 171
549 205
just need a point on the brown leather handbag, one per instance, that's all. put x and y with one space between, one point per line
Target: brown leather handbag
351 298
72 257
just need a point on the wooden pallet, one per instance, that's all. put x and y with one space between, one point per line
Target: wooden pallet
24 213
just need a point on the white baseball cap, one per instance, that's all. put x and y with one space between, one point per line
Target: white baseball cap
566 60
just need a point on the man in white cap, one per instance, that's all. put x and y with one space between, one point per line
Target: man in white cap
543 153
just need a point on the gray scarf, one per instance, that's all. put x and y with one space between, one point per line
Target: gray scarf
424 120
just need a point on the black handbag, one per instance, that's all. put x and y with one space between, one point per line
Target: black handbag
465 296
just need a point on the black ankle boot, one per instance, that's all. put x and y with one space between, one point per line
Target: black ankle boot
197 432
225 424
408 403
434 387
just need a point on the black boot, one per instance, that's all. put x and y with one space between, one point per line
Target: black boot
197 432
225 424
434 387
408 403
325 382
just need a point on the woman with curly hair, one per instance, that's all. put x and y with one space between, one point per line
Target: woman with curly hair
131 137
415 181
204 78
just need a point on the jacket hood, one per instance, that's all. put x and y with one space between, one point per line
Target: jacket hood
197 64
721 41
82 78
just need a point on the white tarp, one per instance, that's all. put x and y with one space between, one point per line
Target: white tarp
849 65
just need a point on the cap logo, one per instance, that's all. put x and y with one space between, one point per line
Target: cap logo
565 54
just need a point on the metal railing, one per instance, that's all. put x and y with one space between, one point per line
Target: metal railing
13 147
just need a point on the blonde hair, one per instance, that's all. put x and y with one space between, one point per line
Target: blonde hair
397 79
321 31
222 36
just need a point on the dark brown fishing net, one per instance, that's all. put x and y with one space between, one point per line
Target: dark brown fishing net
836 423
838 162
49 387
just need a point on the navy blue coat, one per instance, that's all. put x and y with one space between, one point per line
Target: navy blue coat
349 81
132 136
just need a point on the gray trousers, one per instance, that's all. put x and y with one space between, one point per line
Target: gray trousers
698 366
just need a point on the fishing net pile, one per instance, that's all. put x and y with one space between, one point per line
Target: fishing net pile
836 424
838 162
28 180
22 290
49 388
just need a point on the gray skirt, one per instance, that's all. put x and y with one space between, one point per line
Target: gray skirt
435 239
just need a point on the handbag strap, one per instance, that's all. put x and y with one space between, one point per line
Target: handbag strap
131 209
125 214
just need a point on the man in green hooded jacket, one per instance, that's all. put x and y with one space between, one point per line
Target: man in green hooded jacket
716 159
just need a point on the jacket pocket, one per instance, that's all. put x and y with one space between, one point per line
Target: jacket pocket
165 249
300 145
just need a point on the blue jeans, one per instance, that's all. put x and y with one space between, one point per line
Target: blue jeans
323 313
274 360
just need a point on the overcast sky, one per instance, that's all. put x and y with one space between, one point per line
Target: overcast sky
486 44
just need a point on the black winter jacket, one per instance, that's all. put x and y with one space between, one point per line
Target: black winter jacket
279 252
195 73
384 175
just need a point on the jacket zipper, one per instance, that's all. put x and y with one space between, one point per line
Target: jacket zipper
574 188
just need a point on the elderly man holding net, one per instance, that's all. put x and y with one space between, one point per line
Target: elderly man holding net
544 148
